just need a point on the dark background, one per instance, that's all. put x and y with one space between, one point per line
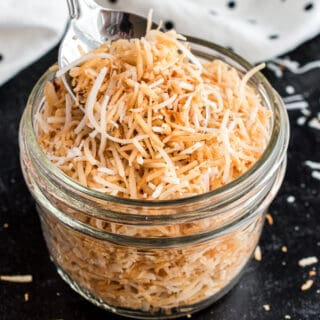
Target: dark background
275 281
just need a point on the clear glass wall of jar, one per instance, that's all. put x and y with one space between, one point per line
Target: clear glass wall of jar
154 259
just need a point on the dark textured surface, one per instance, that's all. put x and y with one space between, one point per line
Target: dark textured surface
276 280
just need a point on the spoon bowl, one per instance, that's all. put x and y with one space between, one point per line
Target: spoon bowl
92 24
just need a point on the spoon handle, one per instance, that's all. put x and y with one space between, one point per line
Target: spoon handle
74 8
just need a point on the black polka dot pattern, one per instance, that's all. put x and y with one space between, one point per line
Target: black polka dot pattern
112 1
169 25
308 6
1 57
252 21
231 4
273 36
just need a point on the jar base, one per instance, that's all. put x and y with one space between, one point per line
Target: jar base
177 312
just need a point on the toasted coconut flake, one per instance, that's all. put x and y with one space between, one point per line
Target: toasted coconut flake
26 297
152 122
305 262
307 285
269 219
17 279
149 105
258 254
266 307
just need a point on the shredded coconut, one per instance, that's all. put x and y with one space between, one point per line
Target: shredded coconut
314 123
258 253
313 164
136 100
269 218
26 297
301 120
152 122
307 285
290 90
266 307
18 279
308 261
291 199
297 105
315 175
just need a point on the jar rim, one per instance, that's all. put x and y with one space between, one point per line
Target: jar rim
231 187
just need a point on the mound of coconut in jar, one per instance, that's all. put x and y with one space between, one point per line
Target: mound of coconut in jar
152 122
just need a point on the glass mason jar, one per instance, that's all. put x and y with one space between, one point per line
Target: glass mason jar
155 259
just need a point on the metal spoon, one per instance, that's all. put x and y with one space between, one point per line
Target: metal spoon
92 24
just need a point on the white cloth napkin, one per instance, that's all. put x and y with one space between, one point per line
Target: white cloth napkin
256 29
28 29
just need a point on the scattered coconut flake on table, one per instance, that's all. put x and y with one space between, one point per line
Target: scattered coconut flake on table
312 273
307 285
17 279
258 253
301 120
276 69
291 199
287 316
314 123
305 112
297 105
277 66
26 297
312 164
269 219
284 249
290 90
315 175
307 261
294 66
295 102
296 97
266 307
